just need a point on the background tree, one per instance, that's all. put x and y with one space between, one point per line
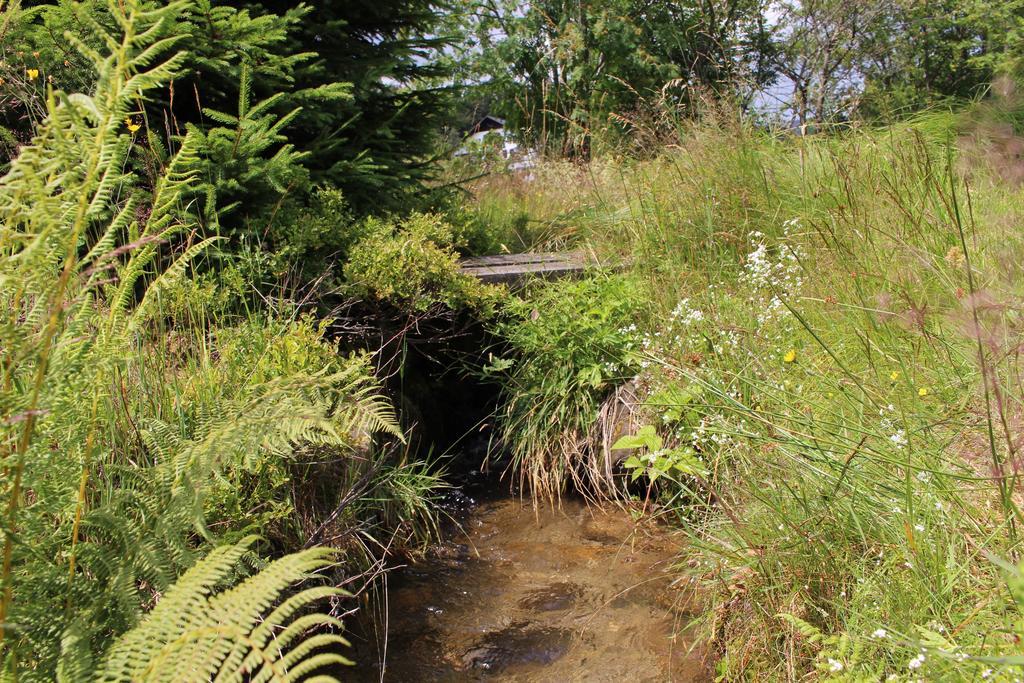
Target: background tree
818 54
883 58
558 68
929 52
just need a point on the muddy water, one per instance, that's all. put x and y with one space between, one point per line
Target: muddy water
572 594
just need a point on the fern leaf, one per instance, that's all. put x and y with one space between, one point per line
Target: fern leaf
208 633
812 633
165 280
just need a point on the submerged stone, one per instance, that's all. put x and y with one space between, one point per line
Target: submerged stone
519 644
553 598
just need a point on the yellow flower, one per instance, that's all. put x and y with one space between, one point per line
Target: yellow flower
790 356
132 126
922 392
894 375
33 74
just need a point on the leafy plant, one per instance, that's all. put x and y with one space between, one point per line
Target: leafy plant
656 462
122 438
210 625
571 342
412 263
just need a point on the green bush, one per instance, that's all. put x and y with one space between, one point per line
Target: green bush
313 236
413 263
569 344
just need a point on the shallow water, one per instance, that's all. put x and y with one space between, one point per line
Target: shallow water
571 594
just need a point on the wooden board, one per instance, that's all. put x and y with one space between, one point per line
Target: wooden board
510 259
512 267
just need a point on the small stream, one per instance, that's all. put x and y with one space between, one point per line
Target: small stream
567 594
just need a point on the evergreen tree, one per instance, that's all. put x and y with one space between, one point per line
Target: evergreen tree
360 85
235 89
377 145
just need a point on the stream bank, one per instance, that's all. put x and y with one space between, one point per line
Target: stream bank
573 593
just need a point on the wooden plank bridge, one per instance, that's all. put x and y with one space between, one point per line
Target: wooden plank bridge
510 268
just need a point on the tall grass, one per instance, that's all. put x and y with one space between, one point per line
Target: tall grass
832 325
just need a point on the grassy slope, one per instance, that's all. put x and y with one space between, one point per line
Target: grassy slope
840 317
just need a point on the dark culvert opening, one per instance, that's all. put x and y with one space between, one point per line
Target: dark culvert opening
432 373
430 367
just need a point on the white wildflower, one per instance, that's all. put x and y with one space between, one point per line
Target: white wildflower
880 633
916 662
834 665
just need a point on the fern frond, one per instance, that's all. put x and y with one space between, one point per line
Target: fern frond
118 225
809 631
201 632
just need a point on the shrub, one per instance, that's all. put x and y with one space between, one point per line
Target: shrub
412 263
569 344
311 236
